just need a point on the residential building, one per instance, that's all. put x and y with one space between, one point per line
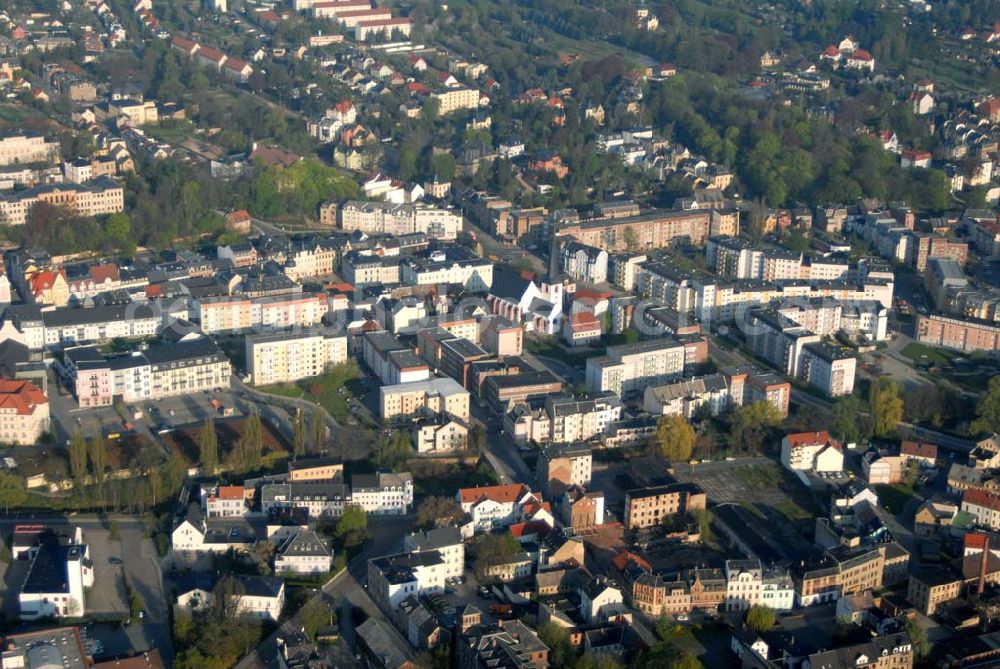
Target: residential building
399 219
648 507
744 584
446 541
600 600
260 597
930 588
983 506
226 501
239 313
573 420
288 357
961 334
503 392
442 433
494 507
439 395
508 643
93 198
629 368
21 149
58 576
304 552
454 265
24 412
319 499
654 229
560 467
456 99
315 469
383 493
584 263
812 452
393 578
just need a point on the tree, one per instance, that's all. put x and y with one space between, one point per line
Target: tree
114 531
988 409
208 448
477 438
489 547
885 406
750 425
299 436
225 598
918 635
315 615
675 438
849 424
97 459
135 605
78 459
760 618
318 429
176 471
562 654
352 528
12 491
393 451
438 512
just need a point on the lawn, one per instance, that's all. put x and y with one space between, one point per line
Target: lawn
760 476
920 353
549 349
326 389
894 497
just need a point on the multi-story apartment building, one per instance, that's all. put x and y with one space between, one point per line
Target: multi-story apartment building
310 258
497 506
319 499
648 507
440 434
315 469
282 358
361 269
744 584
239 313
393 578
503 392
584 263
984 506
930 588
842 570
100 196
560 467
650 230
573 420
453 266
102 323
24 412
812 451
364 30
829 368
400 219
383 493
961 334
623 267
447 541
226 501
21 149
629 368
439 395
160 371
456 99
305 552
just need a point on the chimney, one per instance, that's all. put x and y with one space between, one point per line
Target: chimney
981 586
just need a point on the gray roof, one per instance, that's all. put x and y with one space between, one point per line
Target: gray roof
306 543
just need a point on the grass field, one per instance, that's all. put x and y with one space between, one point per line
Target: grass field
894 497
325 389
920 353
552 350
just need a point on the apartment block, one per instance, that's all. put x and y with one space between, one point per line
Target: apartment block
393 578
453 266
399 219
650 230
456 99
20 149
961 334
502 392
438 395
93 198
648 507
930 588
283 358
359 269
239 313
573 420
24 412
560 467
629 368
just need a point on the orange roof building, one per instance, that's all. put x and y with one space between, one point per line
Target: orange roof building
24 412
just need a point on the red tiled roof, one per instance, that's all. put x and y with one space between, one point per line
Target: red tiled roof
210 54
23 396
861 54
982 498
625 558
503 494
101 273
235 64
831 51
44 280
384 22
518 530
919 449
589 294
800 439
230 492
974 540
183 42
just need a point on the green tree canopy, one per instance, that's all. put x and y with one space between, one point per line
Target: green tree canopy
674 438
